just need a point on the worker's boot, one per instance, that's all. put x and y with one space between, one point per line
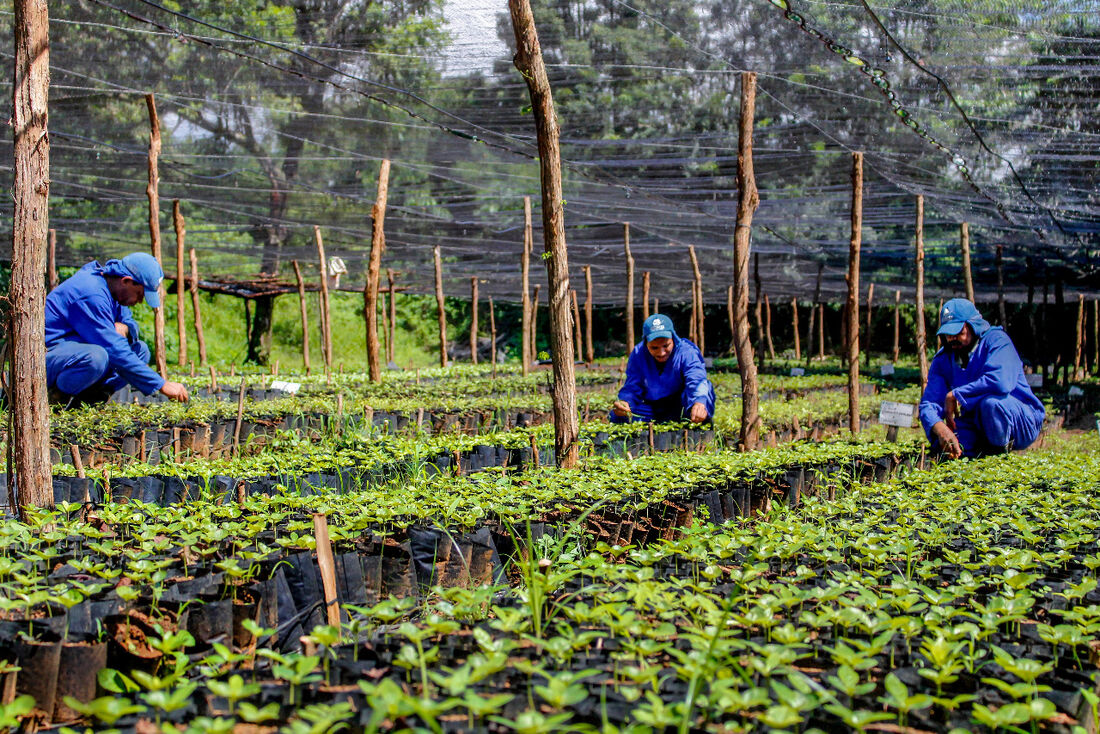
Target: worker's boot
94 395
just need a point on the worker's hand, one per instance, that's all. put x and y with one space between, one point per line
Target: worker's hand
621 408
698 413
175 391
122 329
947 440
950 410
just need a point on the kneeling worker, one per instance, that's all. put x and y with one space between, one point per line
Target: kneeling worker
92 345
977 400
666 379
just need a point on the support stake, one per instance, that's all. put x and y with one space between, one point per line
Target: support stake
747 200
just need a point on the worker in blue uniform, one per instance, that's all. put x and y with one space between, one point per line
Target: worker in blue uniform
92 344
977 400
666 379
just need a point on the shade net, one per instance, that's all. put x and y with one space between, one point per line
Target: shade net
275 117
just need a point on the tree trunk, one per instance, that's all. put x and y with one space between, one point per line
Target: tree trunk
51 262
756 311
473 320
700 319
30 450
526 348
528 60
393 315
1096 336
768 326
152 192
897 326
326 322
440 309
181 311
922 346
589 349
854 243
576 313
730 317
867 336
374 271
1001 311
196 307
628 313
535 324
645 295
794 329
747 201
304 313
1078 351
968 277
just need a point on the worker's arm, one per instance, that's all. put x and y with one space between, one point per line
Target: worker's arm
633 389
93 319
1000 372
935 392
697 388
127 320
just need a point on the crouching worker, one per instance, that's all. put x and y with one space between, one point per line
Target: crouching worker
92 345
977 400
666 379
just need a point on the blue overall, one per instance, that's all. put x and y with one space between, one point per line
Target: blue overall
83 350
998 410
663 393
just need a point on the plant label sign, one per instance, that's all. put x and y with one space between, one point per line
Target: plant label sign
1076 392
1034 380
886 370
896 414
290 387
797 372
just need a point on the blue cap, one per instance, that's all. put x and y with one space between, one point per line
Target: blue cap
145 269
657 326
955 314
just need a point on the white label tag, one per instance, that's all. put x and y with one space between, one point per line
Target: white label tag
1034 379
1076 392
886 370
290 387
896 414
797 372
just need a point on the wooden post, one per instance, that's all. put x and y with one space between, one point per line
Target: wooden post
730 317
1001 311
181 325
589 350
964 243
152 192
576 312
535 324
700 319
747 200
473 320
922 348
1096 336
645 295
303 312
529 62
821 331
493 335
326 325
213 380
1078 352
385 323
526 349
693 326
854 242
794 328
867 336
393 315
30 452
897 325
768 326
327 566
51 262
440 308
374 271
757 312
240 417
628 313
196 306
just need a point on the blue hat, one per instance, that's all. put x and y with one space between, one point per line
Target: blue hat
955 314
657 326
145 269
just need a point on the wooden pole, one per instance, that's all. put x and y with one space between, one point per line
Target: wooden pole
768 326
700 319
374 271
757 312
576 312
964 243
30 452
529 62
747 200
526 348
196 307
493 336
440 308
326 324
628 314
810 324
390 345
1096 336
1001 311
854 243
213 380
922 348
473 320
535 324
1078 352
304 312
730 317
897 325
693 327
152 192
794 328
867 336
327 566
181 325
589 350
821 331
51 262
240 417
645 295
386 297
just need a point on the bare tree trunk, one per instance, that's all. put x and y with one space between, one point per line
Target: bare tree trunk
181 310
768 326
758 316
304 313
968 277
730 317
576 312
51 262
1001 311
326 323
30 444
589 349
535 324
528 61
393 315
747 201
374 271
1078 352
473 320
152 191
821 331
854 243
526 348
700 319
897 325
628 313
439 303
867 337
645 295
794 328
197 307
922 347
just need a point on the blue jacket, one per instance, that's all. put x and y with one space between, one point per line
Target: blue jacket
82 309
994 368
684 375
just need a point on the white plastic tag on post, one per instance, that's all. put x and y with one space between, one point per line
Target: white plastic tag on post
896 414
290 387
1075 391
797 372
886 370
1035 379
